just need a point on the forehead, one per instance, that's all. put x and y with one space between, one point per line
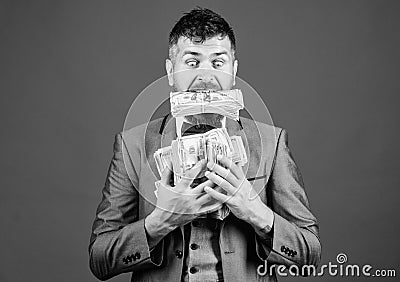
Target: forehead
209 46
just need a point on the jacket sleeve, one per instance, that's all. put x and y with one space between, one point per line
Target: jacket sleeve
294 238
118 242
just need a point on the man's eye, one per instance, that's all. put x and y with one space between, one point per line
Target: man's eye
192 63
218 63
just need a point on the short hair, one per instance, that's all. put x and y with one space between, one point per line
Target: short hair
199 25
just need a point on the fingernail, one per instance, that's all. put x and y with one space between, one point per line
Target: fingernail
219 157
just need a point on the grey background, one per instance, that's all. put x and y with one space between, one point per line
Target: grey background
69 70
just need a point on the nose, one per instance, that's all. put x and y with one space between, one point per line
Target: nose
206 78
206 81
206 74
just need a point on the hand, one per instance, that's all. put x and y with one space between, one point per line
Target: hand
180 204
240 196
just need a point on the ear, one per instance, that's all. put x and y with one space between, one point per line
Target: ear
169 67
235 66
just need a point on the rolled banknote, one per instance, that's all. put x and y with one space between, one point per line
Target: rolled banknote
224 102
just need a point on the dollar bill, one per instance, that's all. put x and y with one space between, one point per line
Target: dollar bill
163 157
186 151
224 102
193 148
239 155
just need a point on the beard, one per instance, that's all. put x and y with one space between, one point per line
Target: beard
211 119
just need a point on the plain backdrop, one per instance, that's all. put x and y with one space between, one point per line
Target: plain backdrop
69 71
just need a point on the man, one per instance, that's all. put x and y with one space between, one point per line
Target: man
267 221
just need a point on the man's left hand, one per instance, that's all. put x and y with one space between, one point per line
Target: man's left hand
240 196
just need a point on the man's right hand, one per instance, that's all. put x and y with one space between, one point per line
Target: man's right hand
178 205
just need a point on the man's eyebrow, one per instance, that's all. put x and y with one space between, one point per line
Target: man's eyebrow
190 53
193 53
220 53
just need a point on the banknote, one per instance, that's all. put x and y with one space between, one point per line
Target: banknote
163 157
186 151
224 102
239 155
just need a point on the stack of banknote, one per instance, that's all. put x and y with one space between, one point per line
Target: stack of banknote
186 151
223 102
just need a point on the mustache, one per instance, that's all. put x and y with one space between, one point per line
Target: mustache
204 86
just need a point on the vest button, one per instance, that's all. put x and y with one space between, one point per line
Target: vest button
193 270
179 254
194 246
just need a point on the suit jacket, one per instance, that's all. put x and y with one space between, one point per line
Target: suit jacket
118 241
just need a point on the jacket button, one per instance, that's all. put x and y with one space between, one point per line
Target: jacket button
179 254
137 256
283 249
194 246
193 270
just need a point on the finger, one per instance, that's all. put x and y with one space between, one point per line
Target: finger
220 182
199 188
219 189
166 176
223 172
210 208
216 195
228 163
216 188
204 199
191 174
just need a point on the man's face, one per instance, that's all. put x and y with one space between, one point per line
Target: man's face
207 65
